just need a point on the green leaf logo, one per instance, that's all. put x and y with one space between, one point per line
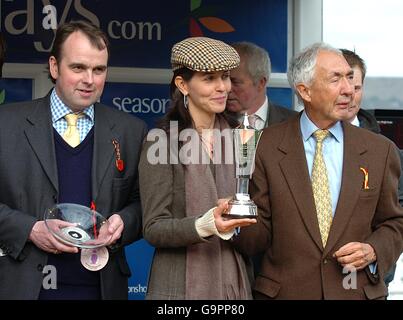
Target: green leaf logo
194 4
2 96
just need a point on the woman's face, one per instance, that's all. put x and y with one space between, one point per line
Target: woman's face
208 91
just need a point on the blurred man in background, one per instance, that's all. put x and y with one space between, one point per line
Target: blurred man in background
248 88
364 119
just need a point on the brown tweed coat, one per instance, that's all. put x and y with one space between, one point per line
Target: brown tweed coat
166 227
295 264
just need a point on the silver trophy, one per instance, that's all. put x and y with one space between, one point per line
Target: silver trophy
246 139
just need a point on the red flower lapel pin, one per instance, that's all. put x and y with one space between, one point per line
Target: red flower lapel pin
119 162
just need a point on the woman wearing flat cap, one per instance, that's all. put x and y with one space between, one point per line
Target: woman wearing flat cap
193 257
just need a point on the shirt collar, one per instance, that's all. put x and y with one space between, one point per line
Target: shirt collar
308 128
59 109
355 121
263 110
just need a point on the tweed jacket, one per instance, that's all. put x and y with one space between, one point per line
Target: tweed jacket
295 264
166 227
163 196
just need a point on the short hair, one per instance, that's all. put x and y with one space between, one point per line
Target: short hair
354 60
257 60
302 67
2 53
94 34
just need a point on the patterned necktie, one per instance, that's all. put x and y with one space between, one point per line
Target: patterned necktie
320 187
252 120
71 135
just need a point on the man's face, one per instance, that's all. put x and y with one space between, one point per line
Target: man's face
80 73
358 91
329 96
244 93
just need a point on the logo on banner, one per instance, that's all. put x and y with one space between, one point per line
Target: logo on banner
141 105
22 21
137 289
2 96
214 24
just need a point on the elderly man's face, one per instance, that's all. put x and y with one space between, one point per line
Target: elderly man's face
329 96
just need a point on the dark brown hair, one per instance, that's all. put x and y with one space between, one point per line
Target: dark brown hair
94 34
177 110
354 60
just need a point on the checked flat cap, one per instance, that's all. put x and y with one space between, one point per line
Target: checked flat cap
204 55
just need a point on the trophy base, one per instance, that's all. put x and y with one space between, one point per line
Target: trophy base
241 207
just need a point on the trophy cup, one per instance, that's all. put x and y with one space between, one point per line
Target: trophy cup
246 139
77 225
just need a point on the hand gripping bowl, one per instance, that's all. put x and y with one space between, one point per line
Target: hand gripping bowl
77 225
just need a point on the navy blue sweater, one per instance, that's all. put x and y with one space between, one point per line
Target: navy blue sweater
74 166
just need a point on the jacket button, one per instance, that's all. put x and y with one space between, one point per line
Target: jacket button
40 267
54 198
325 261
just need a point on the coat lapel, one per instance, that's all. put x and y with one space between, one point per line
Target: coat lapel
273 115
351 183
295 170
103 148
39 132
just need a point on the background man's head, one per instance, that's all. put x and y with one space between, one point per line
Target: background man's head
249 80
360 69
78 64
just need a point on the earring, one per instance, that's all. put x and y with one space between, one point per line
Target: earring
185 101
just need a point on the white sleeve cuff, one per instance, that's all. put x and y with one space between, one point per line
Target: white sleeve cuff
205 226
373 267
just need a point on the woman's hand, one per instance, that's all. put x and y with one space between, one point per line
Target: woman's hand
223 224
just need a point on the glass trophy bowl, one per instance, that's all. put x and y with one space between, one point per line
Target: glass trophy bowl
77 225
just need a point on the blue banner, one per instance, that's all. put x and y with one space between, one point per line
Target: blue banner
146 101
280 96
142 34
15 90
